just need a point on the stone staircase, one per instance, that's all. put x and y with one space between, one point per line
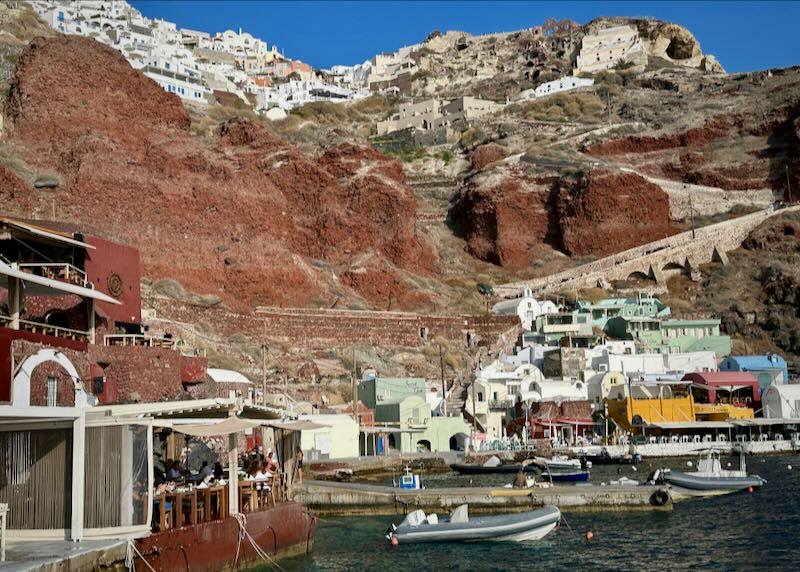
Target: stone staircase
434 196
456 398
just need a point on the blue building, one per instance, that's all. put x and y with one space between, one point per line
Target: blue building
766 369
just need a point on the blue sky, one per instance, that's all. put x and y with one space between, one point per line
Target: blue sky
744 36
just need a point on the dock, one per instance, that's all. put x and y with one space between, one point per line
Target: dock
358 499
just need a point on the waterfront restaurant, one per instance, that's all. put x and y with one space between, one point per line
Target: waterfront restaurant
83 473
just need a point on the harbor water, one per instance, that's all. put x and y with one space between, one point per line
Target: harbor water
734 532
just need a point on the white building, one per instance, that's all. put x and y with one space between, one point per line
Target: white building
555 390
606 48
496 390
640 365
567 83
526 307
781 401
337 439
296 93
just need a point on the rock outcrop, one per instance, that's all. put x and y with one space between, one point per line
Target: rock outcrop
240 215
504 220
603 212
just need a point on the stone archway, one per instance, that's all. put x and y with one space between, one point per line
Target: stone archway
21 386
459 442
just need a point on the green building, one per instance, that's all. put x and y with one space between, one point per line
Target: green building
550 328
674 336
401 407
374 391
610 314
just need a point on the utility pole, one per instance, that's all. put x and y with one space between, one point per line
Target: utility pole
691 212
788 186
444 389
474 379
355 389
263 374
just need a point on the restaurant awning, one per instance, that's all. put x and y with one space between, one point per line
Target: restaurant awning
210 428
766 421
39 285
299 425
44 232
692 425
198 409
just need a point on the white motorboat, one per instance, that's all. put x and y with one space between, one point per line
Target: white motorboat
459 527
710 479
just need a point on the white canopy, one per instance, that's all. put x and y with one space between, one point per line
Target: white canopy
39 285
209 428
226 376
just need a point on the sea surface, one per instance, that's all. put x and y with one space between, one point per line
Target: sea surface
757 531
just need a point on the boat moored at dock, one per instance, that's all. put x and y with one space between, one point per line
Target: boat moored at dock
459 527
710 479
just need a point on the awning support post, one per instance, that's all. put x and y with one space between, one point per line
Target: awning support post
233 474
91 319
14 301
78 454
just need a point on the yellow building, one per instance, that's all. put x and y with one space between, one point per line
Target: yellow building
659 409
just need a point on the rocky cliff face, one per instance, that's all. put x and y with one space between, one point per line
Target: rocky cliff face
506 221
241 214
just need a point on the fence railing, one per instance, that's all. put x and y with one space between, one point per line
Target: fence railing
139 340
47 329
64 272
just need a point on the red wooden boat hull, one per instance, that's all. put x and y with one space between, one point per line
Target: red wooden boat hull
281 531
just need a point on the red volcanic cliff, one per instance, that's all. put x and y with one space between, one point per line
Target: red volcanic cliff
603 212
597 214
503 220
236 215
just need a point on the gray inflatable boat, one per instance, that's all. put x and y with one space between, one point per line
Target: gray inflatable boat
419 527
710 479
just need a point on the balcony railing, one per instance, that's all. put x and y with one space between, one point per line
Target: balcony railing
47 329
500 403
63 272
139 340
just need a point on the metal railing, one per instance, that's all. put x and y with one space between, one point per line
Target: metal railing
139 340
47 329
500 403
63 272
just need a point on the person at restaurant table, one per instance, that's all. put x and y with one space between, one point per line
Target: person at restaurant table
218 471
272 464
174 472
205 471
298 458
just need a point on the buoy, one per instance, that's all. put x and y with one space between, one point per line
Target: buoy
589 535
729 464
393 540
749 489
789 467
688 463
634 469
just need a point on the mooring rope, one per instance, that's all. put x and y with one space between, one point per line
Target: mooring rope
242 520
130 558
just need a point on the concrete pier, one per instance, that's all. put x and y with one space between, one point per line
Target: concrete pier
357 499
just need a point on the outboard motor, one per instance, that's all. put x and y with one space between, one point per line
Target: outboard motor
655 478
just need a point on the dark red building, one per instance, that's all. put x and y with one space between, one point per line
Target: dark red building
70 315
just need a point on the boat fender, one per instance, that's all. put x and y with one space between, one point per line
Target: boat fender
394 541
659 498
